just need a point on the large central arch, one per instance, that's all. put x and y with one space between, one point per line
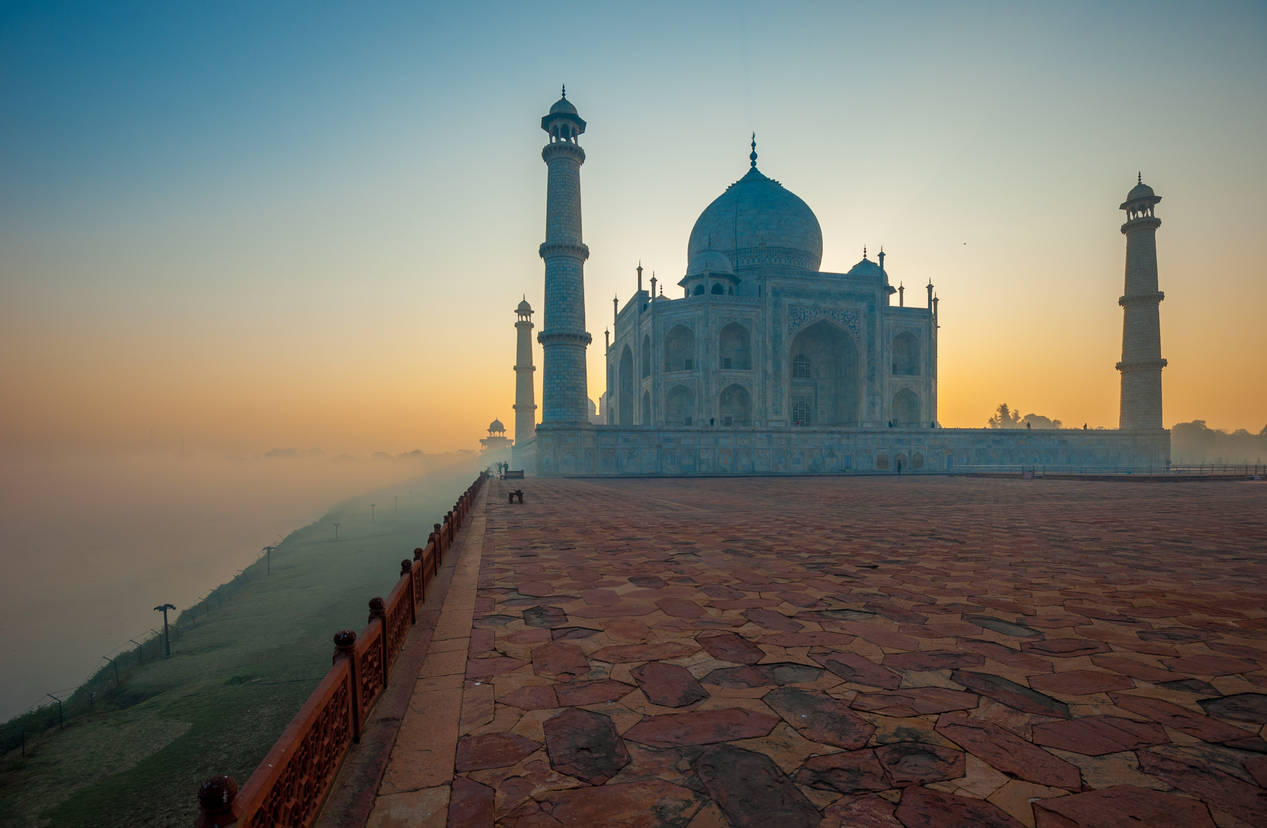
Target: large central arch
825 383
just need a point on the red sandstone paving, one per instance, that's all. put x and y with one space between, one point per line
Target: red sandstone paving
869 651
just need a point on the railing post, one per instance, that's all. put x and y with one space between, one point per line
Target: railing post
345 647
421 595
377 611
439 535
407 571
217 803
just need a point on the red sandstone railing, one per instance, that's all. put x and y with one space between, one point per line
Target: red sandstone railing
290 785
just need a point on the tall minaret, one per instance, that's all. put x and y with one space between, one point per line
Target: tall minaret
1141 328
565 392
525 405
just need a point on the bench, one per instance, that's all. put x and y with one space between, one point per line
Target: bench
516 474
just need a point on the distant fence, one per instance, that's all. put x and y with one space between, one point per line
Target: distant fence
290 785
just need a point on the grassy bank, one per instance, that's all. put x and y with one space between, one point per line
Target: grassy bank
243 662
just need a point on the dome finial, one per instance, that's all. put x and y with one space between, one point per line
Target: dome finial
565 91
1139 177
864 251
752 156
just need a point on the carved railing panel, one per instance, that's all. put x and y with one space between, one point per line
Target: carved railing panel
291 783
369 665
399 620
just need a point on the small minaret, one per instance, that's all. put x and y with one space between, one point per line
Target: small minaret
525 403
565 391
1141 327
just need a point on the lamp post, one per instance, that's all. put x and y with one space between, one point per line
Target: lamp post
167 636
372 505
61 719
268 559
140 652
115 665
336 530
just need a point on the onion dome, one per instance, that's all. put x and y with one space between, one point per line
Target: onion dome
757 221
867 268
1141 196
563 107
523 308
496 427
1140 190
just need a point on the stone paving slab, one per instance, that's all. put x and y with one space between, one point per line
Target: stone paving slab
851 651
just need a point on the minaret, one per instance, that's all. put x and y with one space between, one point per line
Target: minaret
525 405
1141 329
565 392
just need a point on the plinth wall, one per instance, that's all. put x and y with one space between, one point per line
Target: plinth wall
619 450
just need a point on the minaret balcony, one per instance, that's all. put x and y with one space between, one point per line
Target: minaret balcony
562 148
1141 298
576 251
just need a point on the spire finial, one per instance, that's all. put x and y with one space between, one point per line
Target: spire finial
565 90
864 251
1139 177
752 156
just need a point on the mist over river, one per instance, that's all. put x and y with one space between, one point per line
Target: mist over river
91 543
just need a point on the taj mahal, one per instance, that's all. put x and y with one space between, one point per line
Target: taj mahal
764 364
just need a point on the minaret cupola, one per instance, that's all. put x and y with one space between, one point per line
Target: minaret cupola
562 122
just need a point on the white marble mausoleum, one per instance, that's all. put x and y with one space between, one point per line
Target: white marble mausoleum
756 361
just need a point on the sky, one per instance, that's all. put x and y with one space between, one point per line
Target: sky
237 226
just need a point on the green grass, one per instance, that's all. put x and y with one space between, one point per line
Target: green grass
242 664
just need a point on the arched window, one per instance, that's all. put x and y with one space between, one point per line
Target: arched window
679 349
905 410
718 289
699 290
801 367
679 406
735 406
625 396
906 355
733 349
646 357
646 408
801 413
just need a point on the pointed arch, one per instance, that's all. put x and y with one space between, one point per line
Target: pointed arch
734 406
905 409
734 348
625 395
825 386
679 406
679 349
906 355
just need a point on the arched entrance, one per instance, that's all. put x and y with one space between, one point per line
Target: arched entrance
825 387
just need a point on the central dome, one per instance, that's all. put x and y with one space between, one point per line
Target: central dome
757 221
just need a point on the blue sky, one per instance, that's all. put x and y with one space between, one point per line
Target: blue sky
214 213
